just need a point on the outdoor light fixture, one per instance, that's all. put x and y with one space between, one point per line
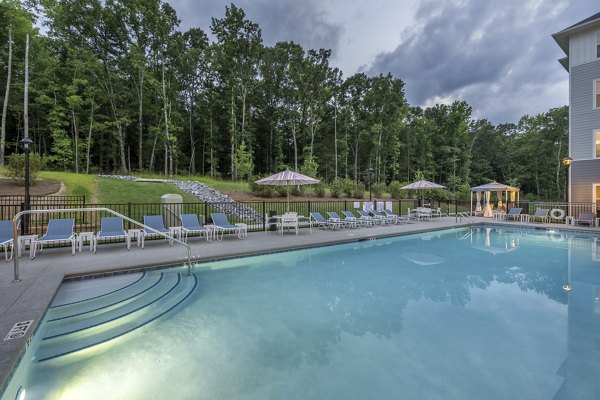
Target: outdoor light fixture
567 287
567 161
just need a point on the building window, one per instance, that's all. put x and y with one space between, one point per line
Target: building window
598 44
597 93
597 143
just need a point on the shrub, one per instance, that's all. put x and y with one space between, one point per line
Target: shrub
16 167
395 190
378 189
359 191
319 189
282 190
349 186
260 190
336 188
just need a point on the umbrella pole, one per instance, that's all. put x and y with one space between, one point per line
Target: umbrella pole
288 200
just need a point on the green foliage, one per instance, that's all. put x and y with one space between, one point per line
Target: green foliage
243 161
319 189
395 190
234 105
282 191
359 191
261 190
348 187
336 188
378 189
15 170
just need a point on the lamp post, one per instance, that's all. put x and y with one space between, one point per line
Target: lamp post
370 176
26 142
567 161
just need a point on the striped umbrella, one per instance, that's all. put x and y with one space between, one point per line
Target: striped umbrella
287 178
422 185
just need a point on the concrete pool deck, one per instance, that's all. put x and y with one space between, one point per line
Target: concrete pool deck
41 277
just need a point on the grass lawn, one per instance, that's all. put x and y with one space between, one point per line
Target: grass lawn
76 184
114 191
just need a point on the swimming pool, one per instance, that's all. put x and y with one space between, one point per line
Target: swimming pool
456 314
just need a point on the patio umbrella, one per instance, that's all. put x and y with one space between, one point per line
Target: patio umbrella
422 185
287 178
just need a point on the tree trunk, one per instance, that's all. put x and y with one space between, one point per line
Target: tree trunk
335 144
6 95
168 152
232 136
141 121
75 137
295 147
191 129
89 140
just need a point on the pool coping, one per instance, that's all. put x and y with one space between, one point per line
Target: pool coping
50 276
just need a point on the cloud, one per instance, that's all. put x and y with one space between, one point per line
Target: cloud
498 56
304 22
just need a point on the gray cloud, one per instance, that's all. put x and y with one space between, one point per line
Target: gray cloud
498 56
304 22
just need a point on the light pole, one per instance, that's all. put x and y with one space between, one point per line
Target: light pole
26 142
370 176
567 161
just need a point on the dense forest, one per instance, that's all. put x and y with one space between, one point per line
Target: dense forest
116 86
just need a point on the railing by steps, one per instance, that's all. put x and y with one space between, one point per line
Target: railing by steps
17 217
465 215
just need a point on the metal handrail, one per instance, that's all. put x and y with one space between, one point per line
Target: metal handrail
15 221
465 215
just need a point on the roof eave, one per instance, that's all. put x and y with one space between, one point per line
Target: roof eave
562 37
564 62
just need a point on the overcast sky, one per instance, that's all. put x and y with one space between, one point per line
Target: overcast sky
497 55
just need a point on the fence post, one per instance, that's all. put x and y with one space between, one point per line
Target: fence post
205 212
264 216
129 213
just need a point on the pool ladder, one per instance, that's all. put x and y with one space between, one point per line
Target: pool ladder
465 215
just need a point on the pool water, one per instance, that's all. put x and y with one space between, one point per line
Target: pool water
456 314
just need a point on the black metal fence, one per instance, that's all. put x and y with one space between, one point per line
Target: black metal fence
252 213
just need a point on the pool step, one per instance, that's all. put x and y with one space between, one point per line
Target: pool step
81 331
95 304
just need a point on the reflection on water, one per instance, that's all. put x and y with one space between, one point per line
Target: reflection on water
463 314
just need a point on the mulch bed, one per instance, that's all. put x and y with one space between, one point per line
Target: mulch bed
41 188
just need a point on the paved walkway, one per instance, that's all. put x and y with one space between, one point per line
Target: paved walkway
41 277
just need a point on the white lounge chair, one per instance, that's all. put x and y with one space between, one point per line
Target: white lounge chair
513 214
586 218
221 224
58 231
540 214
155 222
191 225
335 217
317 219
111 228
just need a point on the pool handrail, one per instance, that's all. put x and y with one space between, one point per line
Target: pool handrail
15 222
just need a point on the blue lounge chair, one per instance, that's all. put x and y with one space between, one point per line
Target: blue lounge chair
335 217
221 224
348 216
395 218
513 214
191 225
317 219
58 231
112 228
6 238
587 218
367 217
155 222
376 217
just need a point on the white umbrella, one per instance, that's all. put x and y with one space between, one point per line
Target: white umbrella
287 178
422 185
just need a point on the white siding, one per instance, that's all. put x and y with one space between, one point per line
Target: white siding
582 48
584 119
